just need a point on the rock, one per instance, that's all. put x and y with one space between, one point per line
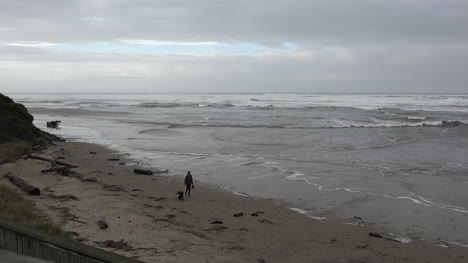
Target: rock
113 159
121 163
333 240
102 224
376 235
2 162
238 214
217 222
254 214
53 124
261 260
357 217
141 171
92 152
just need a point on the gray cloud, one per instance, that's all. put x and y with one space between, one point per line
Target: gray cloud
345 46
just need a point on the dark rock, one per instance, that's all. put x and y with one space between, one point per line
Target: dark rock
121 163
261 260
376 235
113 159
357 217
217 222
53 124
254 214
238 214
2 162
141 171
333 240
92 152
102 224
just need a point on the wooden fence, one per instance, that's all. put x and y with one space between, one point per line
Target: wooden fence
26 241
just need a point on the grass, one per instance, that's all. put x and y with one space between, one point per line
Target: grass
17 131
15 208
12 151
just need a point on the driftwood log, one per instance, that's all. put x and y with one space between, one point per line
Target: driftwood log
23 185
58 169
141 171
37 157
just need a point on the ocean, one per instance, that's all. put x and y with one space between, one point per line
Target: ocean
398 162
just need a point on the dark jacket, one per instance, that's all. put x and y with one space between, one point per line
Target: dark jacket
188 179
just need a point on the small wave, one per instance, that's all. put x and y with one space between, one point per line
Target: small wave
416 118
299 210
159 105
190 105
42 101
318 217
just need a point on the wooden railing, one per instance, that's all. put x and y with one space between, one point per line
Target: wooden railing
30 242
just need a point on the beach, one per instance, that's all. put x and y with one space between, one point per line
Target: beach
397 161
146 220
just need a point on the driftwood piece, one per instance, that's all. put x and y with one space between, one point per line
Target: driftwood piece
37 157
58 169
141 171
377 235
23 185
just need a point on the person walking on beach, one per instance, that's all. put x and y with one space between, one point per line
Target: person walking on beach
188 183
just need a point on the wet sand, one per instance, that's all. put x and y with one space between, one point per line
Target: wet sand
143 213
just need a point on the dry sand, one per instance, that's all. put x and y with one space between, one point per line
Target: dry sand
143 212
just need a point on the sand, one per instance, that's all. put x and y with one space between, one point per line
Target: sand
143 212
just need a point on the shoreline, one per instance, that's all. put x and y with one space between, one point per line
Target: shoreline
144 214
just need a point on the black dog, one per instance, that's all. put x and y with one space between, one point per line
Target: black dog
181 195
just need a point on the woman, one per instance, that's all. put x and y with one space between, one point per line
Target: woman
188 183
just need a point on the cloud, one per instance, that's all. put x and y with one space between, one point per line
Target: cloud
168 43
32 44
221 46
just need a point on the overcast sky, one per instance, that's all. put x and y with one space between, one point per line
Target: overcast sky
234 46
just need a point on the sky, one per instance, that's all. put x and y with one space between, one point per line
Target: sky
331 46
